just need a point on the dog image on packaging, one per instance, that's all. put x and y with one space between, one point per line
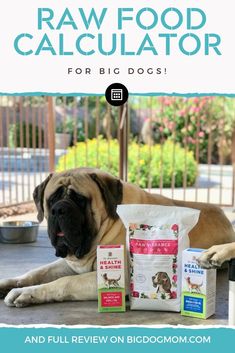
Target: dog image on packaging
198 286
111 278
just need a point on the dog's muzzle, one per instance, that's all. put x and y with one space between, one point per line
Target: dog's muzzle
65 230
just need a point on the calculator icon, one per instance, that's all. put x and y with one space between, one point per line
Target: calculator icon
117 94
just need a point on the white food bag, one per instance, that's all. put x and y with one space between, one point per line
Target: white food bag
156 237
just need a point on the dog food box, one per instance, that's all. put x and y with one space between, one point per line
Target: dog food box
111 278
198 286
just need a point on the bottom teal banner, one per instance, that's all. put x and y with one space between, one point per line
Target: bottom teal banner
124 339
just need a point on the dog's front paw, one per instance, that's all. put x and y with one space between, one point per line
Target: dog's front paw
6 285
217 255
21 297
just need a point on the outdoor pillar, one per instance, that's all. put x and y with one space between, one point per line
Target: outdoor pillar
51 133
123 141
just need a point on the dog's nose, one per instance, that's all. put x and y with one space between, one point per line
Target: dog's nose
58 210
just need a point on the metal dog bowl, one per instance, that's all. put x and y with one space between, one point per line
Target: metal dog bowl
17 232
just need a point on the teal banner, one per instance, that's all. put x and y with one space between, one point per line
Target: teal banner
116 340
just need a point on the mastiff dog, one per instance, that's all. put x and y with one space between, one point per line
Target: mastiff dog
80 208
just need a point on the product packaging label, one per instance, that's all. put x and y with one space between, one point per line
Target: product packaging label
111 278
154 261
198 286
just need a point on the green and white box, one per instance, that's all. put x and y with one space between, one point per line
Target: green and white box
198 286
111 278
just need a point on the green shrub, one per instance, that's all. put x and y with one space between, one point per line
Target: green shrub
142 166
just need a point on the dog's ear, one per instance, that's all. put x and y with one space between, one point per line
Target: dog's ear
111 190
167 280
38 196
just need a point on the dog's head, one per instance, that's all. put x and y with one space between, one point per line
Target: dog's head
161 278
75 203
105 277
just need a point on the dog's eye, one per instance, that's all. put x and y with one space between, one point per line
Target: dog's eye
79 199
55 197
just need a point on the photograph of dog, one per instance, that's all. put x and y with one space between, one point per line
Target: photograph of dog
111 282
162 283
80 208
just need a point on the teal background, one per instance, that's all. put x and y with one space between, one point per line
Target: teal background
12 340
